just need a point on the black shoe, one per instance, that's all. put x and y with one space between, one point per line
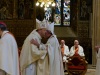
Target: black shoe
65 71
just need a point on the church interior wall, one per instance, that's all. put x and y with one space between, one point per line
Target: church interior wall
21 24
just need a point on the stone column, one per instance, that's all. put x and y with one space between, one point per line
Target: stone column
96 28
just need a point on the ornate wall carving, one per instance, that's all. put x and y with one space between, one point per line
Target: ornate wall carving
25 9
19 16
83 29
6 9
85 9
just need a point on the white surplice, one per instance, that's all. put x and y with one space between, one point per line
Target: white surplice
9 61
30 54
66 53
80 51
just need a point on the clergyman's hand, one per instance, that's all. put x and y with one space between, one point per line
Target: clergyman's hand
34 42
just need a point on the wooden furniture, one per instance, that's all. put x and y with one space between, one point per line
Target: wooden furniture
76 65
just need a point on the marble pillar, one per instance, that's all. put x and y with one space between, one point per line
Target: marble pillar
95 28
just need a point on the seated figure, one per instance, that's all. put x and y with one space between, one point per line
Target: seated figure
65 53
77 49
77 65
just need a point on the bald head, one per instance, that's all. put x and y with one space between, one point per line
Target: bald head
76 43
62 42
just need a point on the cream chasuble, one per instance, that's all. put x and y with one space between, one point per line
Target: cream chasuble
30 54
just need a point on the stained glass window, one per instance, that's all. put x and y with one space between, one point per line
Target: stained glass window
66 13
59 13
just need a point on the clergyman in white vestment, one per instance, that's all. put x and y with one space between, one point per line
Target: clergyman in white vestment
9 62
65 53
30 54
53 56
77 49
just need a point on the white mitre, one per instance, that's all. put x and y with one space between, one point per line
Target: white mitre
50 27
41 24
